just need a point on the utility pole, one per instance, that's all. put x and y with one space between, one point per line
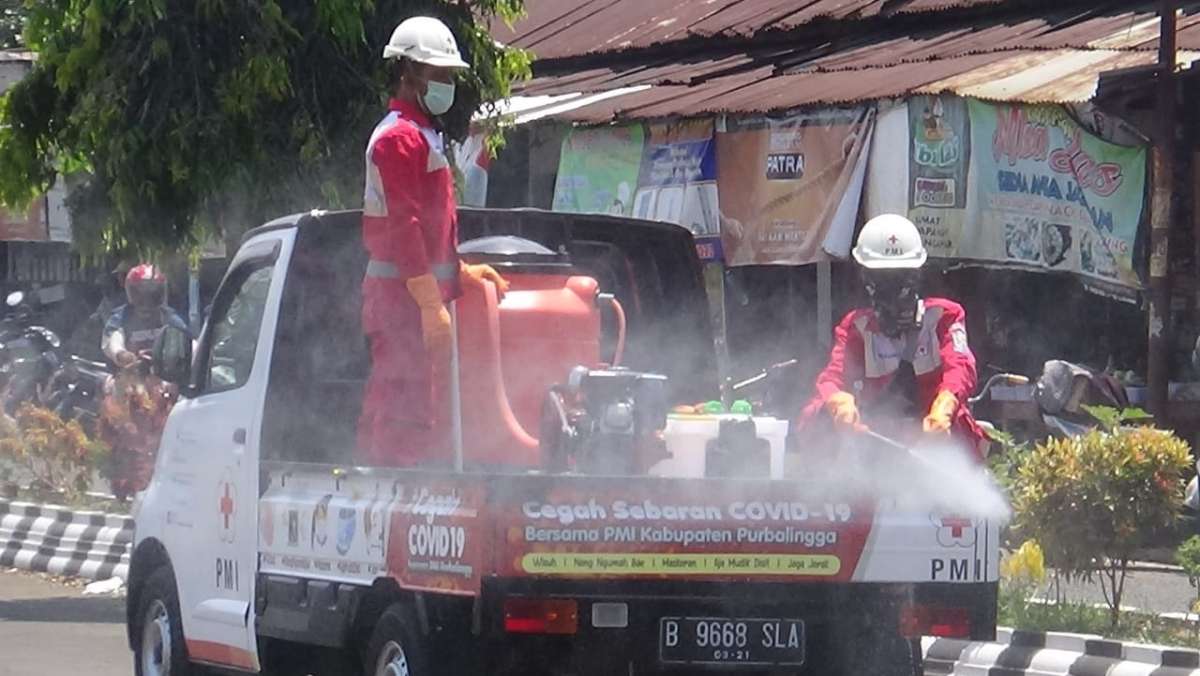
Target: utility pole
1162 215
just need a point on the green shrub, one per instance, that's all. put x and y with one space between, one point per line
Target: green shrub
1188 558
58 454
1091 500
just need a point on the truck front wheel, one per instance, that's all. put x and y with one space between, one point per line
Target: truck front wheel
160 650
395 648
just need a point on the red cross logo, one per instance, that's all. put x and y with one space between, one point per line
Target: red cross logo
225 506
956 524
893 239
953 530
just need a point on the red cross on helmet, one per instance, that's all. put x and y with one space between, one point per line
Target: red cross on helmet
890 241
146 286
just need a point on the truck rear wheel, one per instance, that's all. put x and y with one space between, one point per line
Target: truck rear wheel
160 647
395 648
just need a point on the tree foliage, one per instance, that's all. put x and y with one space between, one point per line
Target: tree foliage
188 115
12 17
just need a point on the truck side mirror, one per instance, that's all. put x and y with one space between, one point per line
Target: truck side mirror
173 356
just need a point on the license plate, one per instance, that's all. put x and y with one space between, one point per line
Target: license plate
729 640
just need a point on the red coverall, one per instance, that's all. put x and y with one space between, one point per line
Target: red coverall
864 360
410 228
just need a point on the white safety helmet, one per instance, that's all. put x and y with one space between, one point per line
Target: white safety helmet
890 242
424 39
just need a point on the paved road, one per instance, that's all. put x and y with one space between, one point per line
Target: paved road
1160 592
50 628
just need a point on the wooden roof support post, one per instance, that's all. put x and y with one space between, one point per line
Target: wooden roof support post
1161 218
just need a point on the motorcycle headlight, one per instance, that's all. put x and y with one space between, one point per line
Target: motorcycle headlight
52 338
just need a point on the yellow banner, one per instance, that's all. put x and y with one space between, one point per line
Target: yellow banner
558 563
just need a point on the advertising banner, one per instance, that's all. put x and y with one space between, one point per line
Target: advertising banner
937 173
441 532
677 533
1049 194
598 170
678 182
790 187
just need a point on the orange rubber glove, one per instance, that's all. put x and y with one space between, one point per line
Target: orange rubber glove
474 275
945 404
435 319
844 411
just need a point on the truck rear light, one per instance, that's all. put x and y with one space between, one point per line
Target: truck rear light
928 620
541 616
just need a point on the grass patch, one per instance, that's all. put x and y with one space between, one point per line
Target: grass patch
1018 612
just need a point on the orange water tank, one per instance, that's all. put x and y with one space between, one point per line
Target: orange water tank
512 352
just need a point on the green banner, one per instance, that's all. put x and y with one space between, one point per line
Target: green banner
598 170
1050 195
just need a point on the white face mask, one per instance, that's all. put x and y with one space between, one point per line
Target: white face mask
439 96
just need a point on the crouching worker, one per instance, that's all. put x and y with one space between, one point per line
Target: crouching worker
900 366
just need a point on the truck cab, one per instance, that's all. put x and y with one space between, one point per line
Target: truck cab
263 544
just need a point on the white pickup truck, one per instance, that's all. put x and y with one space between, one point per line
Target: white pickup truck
262 546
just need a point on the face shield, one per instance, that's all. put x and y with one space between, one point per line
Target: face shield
146 294
894 295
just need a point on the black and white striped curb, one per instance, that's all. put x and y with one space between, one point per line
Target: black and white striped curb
62 541
1021 653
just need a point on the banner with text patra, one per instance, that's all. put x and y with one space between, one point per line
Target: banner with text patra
1046 193
790 187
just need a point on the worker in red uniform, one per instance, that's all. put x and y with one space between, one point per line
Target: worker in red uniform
410 230
905 358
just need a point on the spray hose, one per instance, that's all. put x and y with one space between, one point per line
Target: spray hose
619 312
496 369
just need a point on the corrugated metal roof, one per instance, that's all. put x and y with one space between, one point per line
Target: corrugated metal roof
554 29
1034 60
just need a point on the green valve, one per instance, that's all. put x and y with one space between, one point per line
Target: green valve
741 407
714 407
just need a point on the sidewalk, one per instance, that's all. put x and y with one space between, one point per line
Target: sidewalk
1150 587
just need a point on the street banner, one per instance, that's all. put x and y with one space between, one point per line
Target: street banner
1046 193
598 170
789 187
937 173
678 181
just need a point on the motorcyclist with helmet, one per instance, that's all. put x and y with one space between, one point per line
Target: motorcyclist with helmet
136 401
903 359
132 328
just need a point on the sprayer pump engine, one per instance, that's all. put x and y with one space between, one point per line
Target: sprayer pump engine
605 421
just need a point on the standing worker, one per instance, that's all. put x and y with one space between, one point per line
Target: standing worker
410 228
903 363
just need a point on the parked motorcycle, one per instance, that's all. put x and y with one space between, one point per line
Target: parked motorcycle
1064 390
76 390
30 353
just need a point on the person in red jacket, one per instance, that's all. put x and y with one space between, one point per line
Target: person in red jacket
905 359
410 230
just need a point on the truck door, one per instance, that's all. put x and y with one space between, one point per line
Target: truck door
212 468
